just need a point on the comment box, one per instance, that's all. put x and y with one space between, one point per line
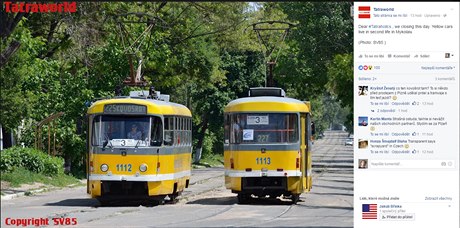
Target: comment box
412 164
406 113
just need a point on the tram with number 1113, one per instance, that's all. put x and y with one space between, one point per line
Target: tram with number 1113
139 148
267 145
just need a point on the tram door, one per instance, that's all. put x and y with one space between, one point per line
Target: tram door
305 148
88 148
308 160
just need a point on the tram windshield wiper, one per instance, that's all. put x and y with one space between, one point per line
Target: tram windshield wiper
137 144
106 141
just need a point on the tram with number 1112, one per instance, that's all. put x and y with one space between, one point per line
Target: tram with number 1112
267 145
139 148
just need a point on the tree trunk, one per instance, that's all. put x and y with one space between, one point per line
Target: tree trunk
201 134
9 51
67 164
8 23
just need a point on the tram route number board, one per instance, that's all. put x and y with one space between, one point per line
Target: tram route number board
257 120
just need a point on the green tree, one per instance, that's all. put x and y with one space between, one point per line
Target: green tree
319 51
340 84
324 30
202 54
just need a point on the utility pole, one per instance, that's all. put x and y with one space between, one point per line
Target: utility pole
270 82
271 26
133 45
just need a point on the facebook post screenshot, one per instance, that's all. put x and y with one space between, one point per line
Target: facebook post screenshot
317 114
406 83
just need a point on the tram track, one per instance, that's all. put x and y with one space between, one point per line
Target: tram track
222 211
330 146
270 220
329 151
208 203
333 145
188 197
184 198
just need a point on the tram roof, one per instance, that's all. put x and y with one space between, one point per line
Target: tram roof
153 106
267 104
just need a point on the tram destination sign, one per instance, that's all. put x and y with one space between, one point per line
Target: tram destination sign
125 109
257 120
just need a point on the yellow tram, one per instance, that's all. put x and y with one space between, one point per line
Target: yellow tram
139 147
267 145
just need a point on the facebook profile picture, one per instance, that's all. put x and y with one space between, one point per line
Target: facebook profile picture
363 121
360 67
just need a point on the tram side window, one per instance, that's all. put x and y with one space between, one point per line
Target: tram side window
189 131
293 128
183 140
308 132
185 126
172 121
180 132
169 131
226 129
176 132
190 128
157 132
190 124
183 130
177 137
180 138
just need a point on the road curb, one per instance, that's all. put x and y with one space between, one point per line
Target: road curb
31 192
19 194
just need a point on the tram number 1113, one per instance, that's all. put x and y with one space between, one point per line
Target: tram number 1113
263 161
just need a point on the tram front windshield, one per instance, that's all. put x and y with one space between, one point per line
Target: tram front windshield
125 131
261 128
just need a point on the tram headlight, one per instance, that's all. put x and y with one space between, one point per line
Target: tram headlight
143 167
104 167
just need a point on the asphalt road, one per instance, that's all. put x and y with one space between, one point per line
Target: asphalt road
206 203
